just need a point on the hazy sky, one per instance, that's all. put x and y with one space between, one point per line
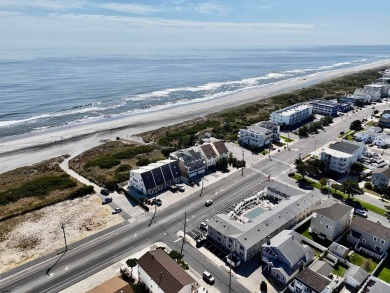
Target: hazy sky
179 23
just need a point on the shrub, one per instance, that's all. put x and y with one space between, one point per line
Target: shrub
105 162
175 255
368 185
142 162
41 186
121 177
81 191
123 168
133 151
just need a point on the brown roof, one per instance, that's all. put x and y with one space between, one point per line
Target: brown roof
221 147
313 280
370 227
208 151
164 271
384 171
114 285
332 209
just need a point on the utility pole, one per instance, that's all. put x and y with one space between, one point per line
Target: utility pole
242 167
230 271
184 235
63 229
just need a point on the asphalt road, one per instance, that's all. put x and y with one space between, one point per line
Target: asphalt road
97 253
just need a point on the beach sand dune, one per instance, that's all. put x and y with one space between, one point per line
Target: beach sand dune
34 147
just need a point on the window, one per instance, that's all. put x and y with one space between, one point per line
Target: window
328 233
328 227
364 240
382 241
375 238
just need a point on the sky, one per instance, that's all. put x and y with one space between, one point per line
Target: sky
30 24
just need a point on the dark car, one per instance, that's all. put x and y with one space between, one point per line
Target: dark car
104 192
200 241
107 200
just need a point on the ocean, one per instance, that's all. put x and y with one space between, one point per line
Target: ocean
45 89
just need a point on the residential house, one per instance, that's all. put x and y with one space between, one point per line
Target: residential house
113 285
322 267
381 177
292 115
190 161
284 256
324 107
355 99
384 121
370 237
221 149
382 140
310 281
366 136
209 155
330 219
344 107
340 156
375 285
377 91
160 273
355 276
155 177
245 236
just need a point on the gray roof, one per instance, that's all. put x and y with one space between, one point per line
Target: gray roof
333 210
357 273
371 228
259 228
288 244
313 280
340 249
384 171
321 267
345 147
380 287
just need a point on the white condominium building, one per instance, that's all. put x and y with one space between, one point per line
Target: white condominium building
259 134
292 115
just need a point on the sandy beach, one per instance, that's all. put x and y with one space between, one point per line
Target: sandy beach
34 147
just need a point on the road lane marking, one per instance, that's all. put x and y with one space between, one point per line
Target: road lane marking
66 268
51 275
177 240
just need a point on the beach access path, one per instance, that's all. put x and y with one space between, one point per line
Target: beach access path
34 147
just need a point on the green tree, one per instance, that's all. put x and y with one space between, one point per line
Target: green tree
350 187
131 263
230 158
302 169
222 164
356 168
356 125
303 131
323 182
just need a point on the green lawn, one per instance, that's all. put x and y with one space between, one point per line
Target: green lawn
264 152
286 139
370 123
366 205
339 270
362 261
304 231
384 272
349 137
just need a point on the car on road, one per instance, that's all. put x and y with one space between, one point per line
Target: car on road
104 192
203 226
180 187
116 210
208 202
208 278
107 200
360 212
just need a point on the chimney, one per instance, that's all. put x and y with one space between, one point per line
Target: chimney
153 255
268 240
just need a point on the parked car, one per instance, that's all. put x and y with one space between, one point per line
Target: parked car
208 278
203 226
116 210
208 202
158 202
180 187
107 200
360 212
201 240
104 192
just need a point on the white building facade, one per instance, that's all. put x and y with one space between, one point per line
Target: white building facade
292 115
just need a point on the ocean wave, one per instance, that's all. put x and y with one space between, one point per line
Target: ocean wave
212 86
70 111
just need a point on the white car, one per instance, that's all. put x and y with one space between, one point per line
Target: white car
208 202
116 210
208 278
360 212
203 226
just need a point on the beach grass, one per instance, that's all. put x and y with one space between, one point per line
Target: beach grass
33 187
